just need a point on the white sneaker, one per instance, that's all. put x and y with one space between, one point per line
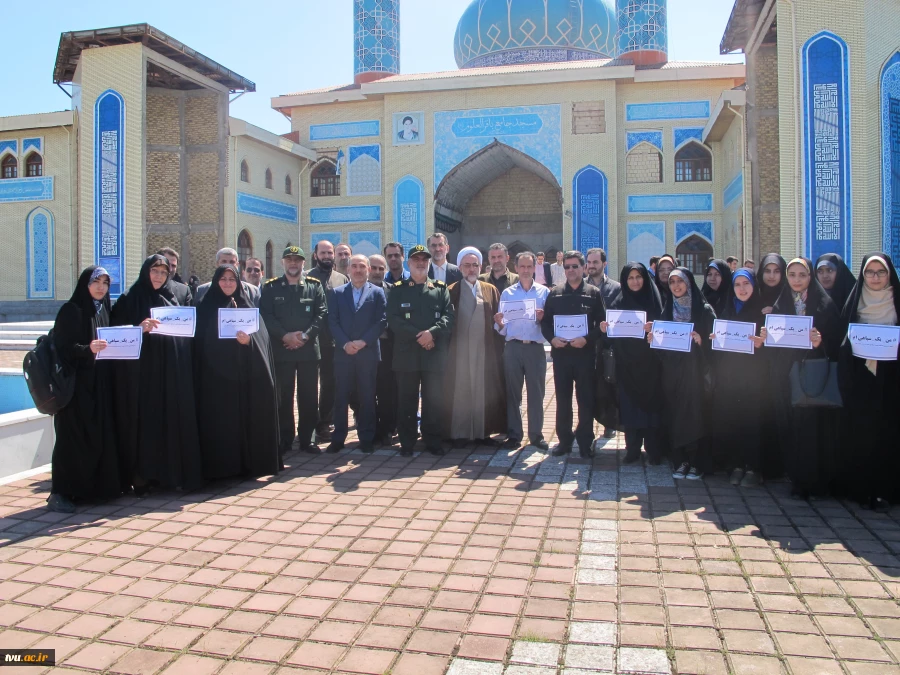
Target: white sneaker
682 471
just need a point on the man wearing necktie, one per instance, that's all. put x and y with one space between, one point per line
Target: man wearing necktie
357 319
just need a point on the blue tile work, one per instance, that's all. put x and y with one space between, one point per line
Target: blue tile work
316 237
670 203
702 228
890 156
534 130
409 212
590 222
26 189
14 396
32 143
646 240
681 135
39 254
643 26
345 214
266 208
330 132
367 243
12 145
734 190
376 30
633 138
364 170
676 110
109 187
826 134
504 32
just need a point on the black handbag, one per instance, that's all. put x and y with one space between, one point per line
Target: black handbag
609 365
814 384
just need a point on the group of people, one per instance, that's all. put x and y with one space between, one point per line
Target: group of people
382 335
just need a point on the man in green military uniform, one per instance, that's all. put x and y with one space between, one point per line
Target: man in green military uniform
421 317
294 311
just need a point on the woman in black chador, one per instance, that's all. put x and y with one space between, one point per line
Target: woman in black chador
85 465
717 285
156 415
775 414
740 389
812 435
637 369
835 277
683 381
871 389
235 382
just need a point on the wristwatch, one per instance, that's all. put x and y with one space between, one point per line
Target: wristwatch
304 336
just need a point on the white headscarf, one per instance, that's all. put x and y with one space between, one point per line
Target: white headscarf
469 250
877 307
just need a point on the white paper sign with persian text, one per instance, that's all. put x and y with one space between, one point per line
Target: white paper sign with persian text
570 326
122 343
174 321
233 320
672 336
792 332
733 336
518 310
874 342
625 323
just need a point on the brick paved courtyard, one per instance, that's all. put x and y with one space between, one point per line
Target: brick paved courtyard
479 563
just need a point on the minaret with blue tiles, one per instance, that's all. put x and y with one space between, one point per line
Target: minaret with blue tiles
642 32
376 32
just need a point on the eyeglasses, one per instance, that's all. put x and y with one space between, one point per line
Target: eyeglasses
572 267
875 274
253 270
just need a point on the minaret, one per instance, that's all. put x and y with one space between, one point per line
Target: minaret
376 31
643 35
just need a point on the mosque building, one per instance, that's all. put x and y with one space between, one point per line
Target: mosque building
565 126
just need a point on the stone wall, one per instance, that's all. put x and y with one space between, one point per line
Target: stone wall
764 148
643 165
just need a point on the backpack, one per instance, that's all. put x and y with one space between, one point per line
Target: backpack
51 386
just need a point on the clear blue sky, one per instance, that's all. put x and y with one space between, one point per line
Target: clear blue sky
282 46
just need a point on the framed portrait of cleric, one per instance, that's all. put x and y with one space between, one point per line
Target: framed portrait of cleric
409 128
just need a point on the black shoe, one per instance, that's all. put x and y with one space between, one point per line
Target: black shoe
323 436
334 448
540 444
60 504
632 457
438 451
512 444
609 433
487 442
367 448
585 454
312 449
406 453
561 450
459 443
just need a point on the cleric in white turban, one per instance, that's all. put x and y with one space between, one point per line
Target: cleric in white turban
469 250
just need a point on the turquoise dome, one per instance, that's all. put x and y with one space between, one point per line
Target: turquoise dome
505 32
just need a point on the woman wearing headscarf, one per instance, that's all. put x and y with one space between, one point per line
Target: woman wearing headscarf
84 465
683 376
740 389
812 434
235 384
835 277
664 267
717 285
871 389
157 415
638 369
771 280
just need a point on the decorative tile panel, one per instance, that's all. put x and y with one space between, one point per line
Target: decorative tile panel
330 132
366 243
316 237
826 134
109 187
702 228
675 110
683 203
266 208
364 170
376 29
39 254
33 144
590 221
345 214
633 138
11 145
646 240
643 26
681 135
26 189
890 156
409 212
734 190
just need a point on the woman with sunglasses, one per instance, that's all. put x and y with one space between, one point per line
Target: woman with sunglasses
871 389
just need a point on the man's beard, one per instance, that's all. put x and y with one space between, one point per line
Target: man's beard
472 279
326 265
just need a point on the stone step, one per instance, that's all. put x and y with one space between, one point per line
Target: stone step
39 327
16 345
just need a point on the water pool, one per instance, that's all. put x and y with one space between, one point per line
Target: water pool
14 394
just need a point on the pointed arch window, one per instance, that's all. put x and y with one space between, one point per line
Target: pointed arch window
245 248
270 258
325 181
245 171
694 253
693 164
9 167
288 186
34 165
268 179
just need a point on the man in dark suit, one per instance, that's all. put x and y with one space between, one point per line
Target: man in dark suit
606 403
356 316
440 269
542 272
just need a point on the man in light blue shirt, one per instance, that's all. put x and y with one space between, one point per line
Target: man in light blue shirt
524 360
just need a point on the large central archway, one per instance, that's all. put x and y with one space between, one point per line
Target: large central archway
500 194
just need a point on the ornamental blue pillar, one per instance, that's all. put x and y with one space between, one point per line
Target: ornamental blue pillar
376 39
642 32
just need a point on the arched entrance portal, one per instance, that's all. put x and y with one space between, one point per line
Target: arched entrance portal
500 194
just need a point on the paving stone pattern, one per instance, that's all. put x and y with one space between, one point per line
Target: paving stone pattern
483 562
